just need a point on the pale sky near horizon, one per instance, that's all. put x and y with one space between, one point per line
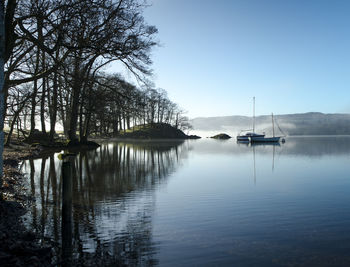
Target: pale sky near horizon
292 55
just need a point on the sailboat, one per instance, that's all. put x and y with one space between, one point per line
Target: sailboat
248 135
273 138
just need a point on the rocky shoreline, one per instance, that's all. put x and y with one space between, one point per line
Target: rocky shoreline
18 246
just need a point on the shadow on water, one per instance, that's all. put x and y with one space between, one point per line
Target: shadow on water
105 214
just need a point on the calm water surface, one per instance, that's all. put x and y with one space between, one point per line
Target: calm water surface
200 202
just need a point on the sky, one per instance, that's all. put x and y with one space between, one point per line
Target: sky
215 56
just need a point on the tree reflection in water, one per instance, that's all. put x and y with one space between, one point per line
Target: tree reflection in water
112 201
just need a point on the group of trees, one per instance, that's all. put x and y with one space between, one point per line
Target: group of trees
55 52
52 55
114 105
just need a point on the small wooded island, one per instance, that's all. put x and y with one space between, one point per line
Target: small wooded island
221 136
155 131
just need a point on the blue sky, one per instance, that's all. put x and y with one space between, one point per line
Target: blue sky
293 56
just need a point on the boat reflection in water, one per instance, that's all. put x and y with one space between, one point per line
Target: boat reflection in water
107 205
263 146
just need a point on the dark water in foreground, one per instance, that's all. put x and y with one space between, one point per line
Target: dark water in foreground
201 202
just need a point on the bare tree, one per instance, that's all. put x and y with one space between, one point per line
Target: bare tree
2 60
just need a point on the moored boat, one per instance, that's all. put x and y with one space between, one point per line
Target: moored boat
264 139
248 135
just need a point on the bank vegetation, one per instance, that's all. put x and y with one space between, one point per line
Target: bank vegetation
56 54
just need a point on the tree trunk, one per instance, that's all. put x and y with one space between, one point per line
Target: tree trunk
72 132
128 121
115 128
15 116
53 108
35 92
2 60
73 123
86 127
124 122
42 107
120 122
44 79
64 118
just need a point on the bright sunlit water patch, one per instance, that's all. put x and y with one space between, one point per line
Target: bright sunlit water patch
202 202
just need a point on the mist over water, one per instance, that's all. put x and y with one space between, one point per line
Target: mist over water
203 202
312 123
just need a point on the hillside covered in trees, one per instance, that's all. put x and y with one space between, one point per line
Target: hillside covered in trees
312 123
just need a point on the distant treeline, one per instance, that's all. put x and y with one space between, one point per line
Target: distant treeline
55 55
312 123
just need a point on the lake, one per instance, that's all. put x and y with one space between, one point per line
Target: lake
198 202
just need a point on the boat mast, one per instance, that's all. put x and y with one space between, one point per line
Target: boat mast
254 114
273 125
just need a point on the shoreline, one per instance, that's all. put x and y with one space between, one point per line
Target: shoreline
18 245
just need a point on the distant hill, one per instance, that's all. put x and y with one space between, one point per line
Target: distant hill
312 123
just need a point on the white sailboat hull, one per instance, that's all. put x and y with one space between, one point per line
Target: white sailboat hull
247 136
256 139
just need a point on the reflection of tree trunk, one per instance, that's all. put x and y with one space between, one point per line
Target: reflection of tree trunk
120 157
124 160
80 167
74 179
158 158
32 187
42 195
77 180
88 175
78 198
128 161
54 196
108 156
66 213
152 163
177 154
254 164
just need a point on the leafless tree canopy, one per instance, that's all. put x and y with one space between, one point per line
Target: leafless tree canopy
55 52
